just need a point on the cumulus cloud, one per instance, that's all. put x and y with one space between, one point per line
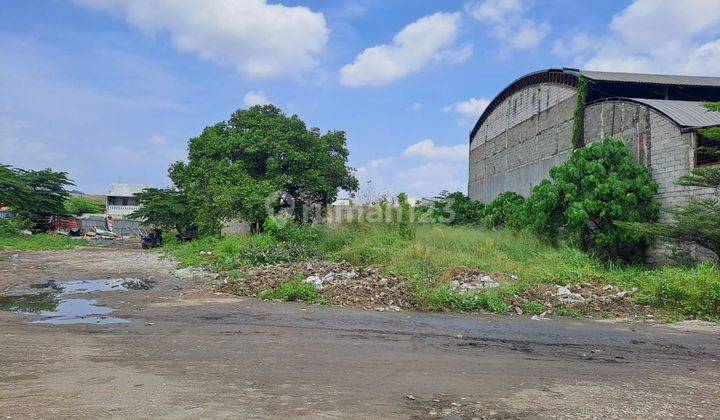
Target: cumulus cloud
428 150
507 23
31 153
429 39
158 140
253 98
689 41
257 38
469 111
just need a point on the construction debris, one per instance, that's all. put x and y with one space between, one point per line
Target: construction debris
469 280
340 283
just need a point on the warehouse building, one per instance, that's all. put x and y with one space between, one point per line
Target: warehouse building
528 127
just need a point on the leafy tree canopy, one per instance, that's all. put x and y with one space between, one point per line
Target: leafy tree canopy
456 209
165 208
34 195
235 167
83 205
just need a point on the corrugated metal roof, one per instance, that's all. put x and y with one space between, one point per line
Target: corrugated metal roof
662 79
684 113
126 190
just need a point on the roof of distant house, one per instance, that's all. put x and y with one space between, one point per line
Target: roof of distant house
126 190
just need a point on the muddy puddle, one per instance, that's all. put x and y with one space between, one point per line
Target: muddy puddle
62 302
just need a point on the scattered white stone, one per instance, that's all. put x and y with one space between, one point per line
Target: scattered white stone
565 295
315 281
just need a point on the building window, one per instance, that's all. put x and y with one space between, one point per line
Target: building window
125 202
707 151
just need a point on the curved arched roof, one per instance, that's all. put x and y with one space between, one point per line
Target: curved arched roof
565 77
676 91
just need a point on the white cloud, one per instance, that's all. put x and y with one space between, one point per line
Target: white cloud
507 23
416 106
431 38
253 98
469 111
158 140
433 177
30 153
257 38
428 150
653 36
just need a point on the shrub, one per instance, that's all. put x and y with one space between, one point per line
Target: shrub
83 205
599 186
457 209
294 291
12 227
446 298
533 307
505 209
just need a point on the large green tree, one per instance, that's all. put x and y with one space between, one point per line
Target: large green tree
236 168
165 208
34 195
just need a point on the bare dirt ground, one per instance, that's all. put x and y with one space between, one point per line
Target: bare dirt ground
187 352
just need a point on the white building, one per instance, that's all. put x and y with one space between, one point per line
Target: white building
121 199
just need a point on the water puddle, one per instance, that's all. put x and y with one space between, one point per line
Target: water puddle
58 302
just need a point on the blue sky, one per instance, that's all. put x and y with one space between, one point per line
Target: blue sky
111 90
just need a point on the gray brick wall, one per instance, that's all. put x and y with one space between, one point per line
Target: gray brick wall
521 140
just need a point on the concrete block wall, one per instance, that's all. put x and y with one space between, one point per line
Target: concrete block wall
652 139
657 142
527 134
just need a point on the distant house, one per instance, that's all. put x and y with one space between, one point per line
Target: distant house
121 199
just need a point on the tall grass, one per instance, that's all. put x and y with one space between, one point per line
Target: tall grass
39 242
519 260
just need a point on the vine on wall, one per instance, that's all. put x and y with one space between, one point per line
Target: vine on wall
579 114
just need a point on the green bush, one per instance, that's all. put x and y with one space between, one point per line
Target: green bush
12 227
294 291
599 186
446 298
504 210
456 209
83 205
533 307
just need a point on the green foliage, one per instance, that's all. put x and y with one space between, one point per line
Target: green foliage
403 224
701 177
599 186
12 227
563 311
533 307
38 242
294 291
445 298
236 167
504 210
437 250
456 209
83 205
165 208
712 106
33 195
697 221
579 112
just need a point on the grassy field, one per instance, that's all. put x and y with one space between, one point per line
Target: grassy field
39 242
428 260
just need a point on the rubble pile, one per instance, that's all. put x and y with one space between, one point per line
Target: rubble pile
469 280
586 297
340 283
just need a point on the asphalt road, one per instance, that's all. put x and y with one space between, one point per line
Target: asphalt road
186 352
